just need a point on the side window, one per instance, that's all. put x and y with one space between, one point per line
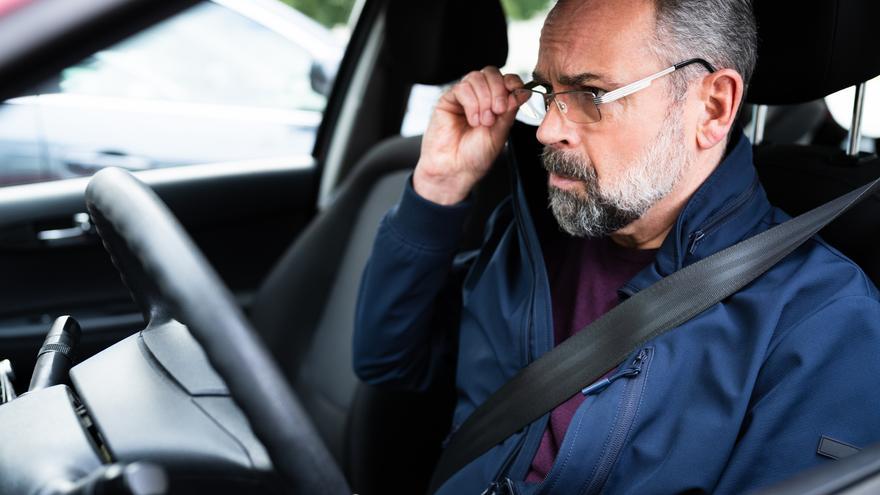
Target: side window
225 80
525 19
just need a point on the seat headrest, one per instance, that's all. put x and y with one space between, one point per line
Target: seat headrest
439 41
808 49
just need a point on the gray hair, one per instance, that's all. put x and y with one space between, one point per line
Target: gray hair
723 32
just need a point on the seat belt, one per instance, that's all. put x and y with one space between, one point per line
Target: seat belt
586 356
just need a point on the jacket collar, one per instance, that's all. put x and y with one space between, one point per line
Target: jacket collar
725 209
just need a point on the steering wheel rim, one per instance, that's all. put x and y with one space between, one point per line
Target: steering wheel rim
169 276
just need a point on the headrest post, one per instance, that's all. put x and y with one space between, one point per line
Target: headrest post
759 118
855 133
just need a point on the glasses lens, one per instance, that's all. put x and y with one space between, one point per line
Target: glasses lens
579 107
531 112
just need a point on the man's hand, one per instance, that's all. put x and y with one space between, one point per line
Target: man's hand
466 133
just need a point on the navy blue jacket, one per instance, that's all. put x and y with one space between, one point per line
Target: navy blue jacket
734 399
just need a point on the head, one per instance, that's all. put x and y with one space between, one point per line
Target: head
635 169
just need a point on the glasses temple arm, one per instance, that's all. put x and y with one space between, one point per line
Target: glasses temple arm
706 65
632 87
644 83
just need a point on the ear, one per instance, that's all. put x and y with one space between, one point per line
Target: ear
720 95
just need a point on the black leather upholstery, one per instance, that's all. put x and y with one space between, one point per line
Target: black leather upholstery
439 41
305 311
811 48
301 310
305 308
799 178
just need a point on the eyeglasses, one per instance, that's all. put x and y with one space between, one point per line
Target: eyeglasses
582 106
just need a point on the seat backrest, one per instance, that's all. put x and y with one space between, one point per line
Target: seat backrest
804 55
304 310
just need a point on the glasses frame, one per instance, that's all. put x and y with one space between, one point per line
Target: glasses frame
615 95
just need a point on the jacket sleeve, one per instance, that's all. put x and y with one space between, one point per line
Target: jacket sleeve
405 324
818 380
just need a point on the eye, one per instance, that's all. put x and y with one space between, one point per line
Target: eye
596 91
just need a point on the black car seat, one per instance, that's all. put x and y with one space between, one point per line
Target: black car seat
804 54
304 310
790 124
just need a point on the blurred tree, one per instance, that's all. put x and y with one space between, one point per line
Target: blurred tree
333 12
328 12
524 9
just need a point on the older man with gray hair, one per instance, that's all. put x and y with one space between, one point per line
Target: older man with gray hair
636 102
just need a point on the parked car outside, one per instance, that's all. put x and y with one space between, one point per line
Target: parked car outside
258 91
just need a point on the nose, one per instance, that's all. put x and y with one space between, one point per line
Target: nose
555 129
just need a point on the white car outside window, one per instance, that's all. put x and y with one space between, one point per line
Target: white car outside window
227 80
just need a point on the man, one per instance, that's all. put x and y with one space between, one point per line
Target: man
642 180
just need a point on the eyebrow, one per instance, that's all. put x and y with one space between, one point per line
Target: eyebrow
573 80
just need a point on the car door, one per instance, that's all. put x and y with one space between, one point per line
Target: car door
223 131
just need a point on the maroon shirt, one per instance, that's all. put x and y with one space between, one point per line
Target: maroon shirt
585 275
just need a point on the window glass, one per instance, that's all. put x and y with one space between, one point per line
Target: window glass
225 80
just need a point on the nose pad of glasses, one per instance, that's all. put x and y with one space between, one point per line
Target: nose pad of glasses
532 112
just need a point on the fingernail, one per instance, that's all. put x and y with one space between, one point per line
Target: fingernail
500 104
488 117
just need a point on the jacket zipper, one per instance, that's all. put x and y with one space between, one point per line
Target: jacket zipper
633 370
631 399
504 487
500 478
532 290
713 224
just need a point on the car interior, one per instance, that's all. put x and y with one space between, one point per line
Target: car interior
240 380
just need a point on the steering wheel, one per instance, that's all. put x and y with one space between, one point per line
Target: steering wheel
170 277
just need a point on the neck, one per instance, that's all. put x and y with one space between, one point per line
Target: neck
649 231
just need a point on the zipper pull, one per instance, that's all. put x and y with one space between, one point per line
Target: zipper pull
491 489
604 383
643 354
500 488
630 372
697 237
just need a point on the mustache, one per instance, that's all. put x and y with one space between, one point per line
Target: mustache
567 164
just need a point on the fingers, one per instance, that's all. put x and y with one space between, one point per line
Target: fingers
482 88
465 96
512 82
499 92
485 95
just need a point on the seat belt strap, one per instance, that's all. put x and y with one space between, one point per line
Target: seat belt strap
583 358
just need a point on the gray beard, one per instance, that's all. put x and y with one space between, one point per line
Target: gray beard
597 211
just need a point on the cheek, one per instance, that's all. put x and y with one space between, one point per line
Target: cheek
614 154
602 157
